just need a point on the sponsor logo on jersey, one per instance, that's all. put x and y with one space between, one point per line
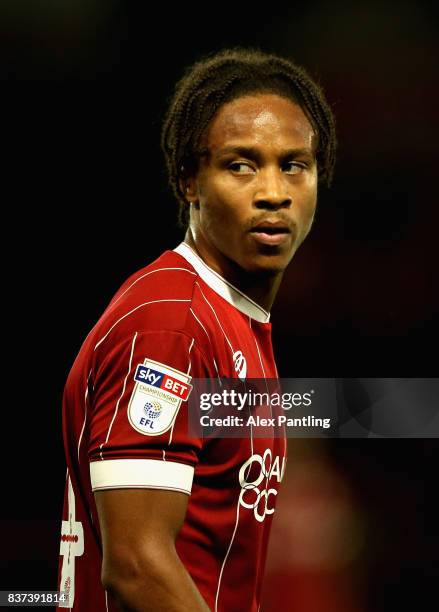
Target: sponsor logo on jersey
155 378
240 364
257 477
158 393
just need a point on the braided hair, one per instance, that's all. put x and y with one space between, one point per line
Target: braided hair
232 73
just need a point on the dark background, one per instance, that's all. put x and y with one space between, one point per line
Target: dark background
84 85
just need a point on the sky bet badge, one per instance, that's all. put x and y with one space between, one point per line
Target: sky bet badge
156 397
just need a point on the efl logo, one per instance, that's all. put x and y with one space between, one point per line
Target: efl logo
162 381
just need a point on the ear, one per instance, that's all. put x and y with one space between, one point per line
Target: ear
189 187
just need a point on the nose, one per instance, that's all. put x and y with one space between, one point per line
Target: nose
272 190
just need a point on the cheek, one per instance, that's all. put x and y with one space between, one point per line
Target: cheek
310 209
213 214
307 210
219 207
310 196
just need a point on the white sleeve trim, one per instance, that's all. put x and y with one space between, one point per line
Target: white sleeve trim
142 474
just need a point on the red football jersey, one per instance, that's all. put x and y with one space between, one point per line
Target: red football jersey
125 425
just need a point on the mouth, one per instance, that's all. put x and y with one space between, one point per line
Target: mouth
272 234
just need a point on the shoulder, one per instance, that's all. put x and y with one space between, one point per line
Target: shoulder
157 298
168 277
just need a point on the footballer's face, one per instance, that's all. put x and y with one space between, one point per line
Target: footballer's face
254 195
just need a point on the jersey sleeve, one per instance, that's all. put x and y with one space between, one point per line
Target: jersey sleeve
138 426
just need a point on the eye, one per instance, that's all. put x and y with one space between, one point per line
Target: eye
241 168
294 167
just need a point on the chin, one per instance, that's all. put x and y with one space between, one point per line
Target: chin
267 266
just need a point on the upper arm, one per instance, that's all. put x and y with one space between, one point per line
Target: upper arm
138 525
139 408
142 460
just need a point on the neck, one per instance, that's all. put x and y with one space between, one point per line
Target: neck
260 287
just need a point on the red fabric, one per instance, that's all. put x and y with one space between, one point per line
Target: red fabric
222 543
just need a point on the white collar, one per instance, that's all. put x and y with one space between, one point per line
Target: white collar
216 282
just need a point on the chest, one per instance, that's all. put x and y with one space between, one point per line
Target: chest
242 348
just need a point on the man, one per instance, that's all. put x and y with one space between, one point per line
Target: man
167 521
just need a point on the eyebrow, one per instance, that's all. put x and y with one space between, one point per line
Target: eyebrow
253 152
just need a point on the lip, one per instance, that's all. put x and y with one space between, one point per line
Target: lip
271 232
